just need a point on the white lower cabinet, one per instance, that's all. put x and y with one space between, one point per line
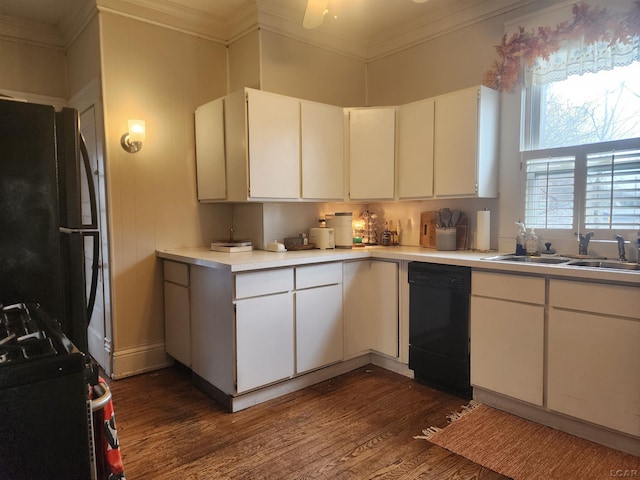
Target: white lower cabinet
253 329
507 335
263 327
177 316
370 298
319 325
582 364
594 353
264 340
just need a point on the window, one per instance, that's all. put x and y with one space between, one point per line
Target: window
581 152
612 196
549 192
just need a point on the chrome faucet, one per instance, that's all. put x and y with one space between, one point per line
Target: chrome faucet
583 247
621 254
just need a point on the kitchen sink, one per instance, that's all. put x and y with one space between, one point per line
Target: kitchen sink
605 264
523 259
568 262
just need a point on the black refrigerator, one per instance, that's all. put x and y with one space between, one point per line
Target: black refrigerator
48 231
48 217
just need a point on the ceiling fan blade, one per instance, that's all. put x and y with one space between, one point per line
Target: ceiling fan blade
314 14
420 1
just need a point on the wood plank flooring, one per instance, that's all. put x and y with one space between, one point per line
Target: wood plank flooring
357 426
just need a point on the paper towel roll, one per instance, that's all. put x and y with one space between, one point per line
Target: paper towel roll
483 231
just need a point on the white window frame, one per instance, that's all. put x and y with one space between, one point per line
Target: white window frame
529 148
580 153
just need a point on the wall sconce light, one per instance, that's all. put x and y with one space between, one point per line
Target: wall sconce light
132 140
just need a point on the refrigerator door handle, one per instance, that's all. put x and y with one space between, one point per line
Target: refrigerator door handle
95 267
78 230
95 263
90 183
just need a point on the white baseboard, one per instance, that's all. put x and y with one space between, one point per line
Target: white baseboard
391 364
298 383
249 399
145 358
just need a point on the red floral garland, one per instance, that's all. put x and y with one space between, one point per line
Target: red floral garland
592 23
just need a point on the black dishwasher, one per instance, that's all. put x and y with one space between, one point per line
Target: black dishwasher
439 297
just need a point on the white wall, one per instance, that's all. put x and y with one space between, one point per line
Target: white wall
297 69
244 62
32 69
444 64
160 76
451 62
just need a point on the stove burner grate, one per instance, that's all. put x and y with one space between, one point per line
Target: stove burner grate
21 337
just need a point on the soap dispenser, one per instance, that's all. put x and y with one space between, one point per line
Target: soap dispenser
521 239
532 243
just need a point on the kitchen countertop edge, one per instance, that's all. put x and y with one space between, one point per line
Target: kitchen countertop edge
261 259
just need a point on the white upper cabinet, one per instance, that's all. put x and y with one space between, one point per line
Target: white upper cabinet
274 145
261 146
372 147
322 138
248 147
210 153
415 149
466 143
256 145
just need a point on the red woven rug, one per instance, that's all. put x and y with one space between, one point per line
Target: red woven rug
526 450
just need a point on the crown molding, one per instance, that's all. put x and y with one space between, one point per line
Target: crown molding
187 20
446 19
269 15
30 33
443 21
283 21
75 21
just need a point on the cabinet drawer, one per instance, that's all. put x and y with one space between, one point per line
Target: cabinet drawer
618 300
176 272
254 284
318 275
517 288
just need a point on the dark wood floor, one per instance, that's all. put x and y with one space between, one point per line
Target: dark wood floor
357 426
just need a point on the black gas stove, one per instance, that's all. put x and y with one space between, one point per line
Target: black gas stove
44 407
25 335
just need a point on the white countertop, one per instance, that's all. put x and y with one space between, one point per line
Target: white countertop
261 259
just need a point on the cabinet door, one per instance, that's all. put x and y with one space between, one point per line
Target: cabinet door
177 324
383 298
456 136
593 369
370 307
356 308
264 340
415 149
322 137
372 153
507 348
210 151
274 145
319 328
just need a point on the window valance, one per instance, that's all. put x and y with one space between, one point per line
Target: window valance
592 40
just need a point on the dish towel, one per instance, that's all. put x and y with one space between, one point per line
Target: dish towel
109 464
